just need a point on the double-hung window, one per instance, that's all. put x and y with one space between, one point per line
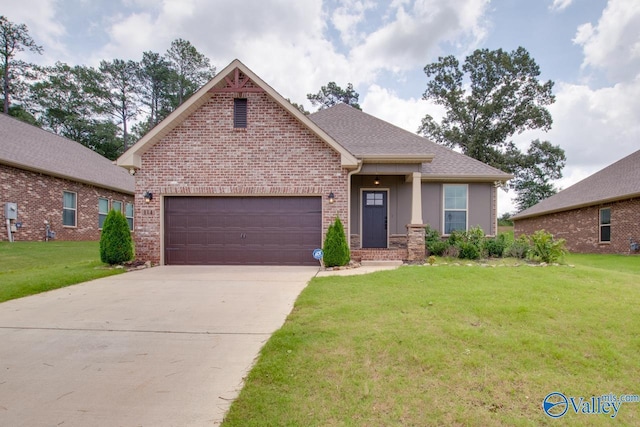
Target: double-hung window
455 207
605 225
116 206
129 214
103 210
69 208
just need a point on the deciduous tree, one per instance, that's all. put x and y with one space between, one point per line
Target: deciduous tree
492 97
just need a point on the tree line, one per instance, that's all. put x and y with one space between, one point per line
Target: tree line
106 108
493 96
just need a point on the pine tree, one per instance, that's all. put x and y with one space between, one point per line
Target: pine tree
336 249
116 246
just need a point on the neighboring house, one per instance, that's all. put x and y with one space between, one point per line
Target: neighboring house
51 178
238 175
600 214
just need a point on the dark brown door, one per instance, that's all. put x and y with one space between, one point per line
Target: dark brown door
242 230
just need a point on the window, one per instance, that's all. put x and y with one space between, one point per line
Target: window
103 210
129 214
240 113
116 206
375 199
69 207
455 207
605 225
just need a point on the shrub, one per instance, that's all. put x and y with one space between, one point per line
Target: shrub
336 250
469 250
116 246
495 247
431 235
545 248
437 248
519 248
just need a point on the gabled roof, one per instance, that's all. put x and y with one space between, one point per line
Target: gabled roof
131 158
618 181
28 147
370 139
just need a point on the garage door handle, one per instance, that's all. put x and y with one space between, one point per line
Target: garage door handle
243 235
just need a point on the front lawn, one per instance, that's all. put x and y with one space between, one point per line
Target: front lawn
28 268
451 345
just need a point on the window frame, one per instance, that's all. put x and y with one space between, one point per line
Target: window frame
240 114
102 215
131 224
602 225
74 209
445 210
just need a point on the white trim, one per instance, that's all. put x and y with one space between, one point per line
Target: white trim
444 208
361 207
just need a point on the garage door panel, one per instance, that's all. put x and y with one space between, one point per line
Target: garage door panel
242 230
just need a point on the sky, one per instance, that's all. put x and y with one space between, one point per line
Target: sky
589 48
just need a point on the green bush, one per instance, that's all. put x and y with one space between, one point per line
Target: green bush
469 250
519 248
545 248
437 248
336 249
495 247
116 246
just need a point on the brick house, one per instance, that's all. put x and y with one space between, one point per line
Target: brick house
600 214
51 178
238 175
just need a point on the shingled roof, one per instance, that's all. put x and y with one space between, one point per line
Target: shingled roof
28 147
618 181
364 135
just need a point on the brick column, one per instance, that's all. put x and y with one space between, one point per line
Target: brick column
415 243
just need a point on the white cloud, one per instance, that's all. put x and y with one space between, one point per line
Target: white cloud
560 5
613 45
347 17
405 113
411 39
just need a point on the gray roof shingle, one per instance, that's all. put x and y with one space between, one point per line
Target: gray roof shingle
29 147
365 135
618 181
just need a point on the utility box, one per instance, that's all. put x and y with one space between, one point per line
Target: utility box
11 210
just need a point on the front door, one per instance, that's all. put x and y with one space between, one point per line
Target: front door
374 219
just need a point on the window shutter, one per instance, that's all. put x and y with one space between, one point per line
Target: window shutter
240 113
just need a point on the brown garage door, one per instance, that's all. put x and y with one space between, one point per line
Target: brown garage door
242 230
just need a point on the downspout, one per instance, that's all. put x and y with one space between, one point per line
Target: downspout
353 172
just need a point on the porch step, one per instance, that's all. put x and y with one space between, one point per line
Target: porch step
380 263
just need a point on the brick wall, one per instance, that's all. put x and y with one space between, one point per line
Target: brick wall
39 198
580 227
205 155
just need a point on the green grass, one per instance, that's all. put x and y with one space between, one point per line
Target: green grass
28 268
451 345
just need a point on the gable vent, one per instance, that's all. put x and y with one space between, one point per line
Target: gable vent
240 113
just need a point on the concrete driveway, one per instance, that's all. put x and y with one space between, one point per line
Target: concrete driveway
167 346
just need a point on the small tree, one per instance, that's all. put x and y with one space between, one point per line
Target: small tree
116 246
336 250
